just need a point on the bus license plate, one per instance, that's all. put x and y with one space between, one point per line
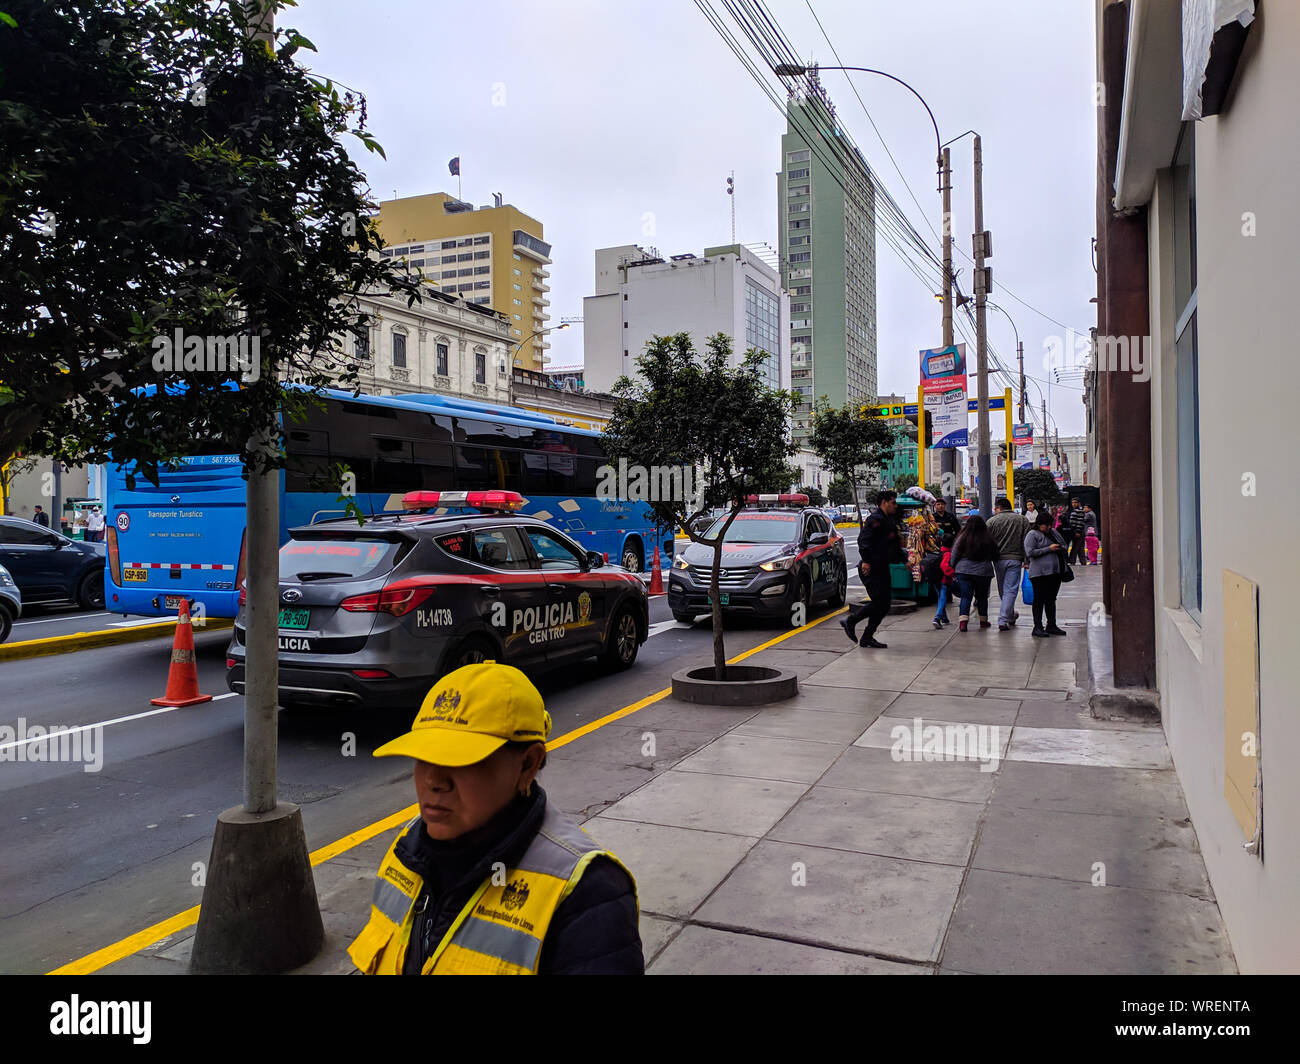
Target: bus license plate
173 602
135 576
294 618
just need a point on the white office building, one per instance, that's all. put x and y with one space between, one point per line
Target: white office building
639 294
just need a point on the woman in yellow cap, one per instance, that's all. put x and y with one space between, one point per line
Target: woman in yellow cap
490 879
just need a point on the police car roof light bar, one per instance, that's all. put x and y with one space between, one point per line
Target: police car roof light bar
780 500
508 501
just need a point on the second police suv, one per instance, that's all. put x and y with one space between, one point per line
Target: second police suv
372 615
778 552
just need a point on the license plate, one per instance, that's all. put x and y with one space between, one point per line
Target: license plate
135 576
724 599
294 618
173 602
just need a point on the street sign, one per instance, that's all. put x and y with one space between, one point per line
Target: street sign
1044 462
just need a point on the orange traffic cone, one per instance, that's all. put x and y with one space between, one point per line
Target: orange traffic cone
183 676
656 577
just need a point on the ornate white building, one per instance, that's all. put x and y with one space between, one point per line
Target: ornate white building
443 344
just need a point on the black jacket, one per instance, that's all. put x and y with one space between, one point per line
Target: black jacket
594 930
879 544
948 524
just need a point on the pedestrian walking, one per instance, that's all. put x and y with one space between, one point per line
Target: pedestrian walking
1031 512
1093 543
973 555
490 878
1008 530
945 579
878 548
95 525
1077 519
40 517
1045 548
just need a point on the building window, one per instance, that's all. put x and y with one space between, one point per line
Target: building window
482 239
797 156
480 367
1187 373
465 273
399 349
798 208
800 223
442 361
361 343
448 244
798 190
466 256
517 317
449 258
799 241
480 285
517 258
517 302
516 272
482 269
464 242
802 256
482 255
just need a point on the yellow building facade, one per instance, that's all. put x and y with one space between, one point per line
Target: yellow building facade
494 255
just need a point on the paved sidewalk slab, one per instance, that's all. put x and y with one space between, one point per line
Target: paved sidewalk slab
707 951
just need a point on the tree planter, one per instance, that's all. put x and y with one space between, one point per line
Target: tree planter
745 685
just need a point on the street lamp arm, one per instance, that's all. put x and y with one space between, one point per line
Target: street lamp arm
794 70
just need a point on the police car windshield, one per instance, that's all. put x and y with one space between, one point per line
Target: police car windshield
351 559
758 528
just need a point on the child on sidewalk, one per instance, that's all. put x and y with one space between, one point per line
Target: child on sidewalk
1093 544
945 565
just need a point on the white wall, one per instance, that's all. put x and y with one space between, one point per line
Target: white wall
1247 373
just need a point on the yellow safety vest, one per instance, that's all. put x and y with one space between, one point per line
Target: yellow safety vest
501 928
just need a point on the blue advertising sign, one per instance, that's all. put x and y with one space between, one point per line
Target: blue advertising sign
943 383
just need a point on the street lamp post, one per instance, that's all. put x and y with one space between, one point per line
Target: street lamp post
520 345
942 163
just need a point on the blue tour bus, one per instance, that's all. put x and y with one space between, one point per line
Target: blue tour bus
185 538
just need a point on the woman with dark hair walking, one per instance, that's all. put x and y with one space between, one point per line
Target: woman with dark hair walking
972 560
1045 548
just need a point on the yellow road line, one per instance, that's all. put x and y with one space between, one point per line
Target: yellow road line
111 954
63 644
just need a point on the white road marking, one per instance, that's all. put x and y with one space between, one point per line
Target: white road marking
663 626
106 723
140 621
65 617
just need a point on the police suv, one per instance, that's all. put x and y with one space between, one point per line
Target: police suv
779 551
372 615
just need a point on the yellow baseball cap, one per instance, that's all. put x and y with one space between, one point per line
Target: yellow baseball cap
470 713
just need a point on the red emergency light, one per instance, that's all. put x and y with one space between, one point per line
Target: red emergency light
780 500
476 500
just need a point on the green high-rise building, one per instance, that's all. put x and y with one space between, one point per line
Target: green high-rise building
826 214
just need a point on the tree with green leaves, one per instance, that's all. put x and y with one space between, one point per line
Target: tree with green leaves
815 495
183 235
1038 484
904 481
840 492
691 409
849 444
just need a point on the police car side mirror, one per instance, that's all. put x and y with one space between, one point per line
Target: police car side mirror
818 538
594 560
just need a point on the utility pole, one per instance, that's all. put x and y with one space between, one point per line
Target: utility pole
1045 432
983 285
1020 354
948 456
731 195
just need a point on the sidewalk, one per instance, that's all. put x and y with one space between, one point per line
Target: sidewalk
789 839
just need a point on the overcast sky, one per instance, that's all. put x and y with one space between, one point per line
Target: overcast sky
618 121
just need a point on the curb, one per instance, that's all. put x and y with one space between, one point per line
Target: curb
66 644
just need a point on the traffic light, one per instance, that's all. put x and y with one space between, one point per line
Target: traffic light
881 411
1002 452
924 434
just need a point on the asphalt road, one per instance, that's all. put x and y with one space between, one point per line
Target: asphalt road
92 857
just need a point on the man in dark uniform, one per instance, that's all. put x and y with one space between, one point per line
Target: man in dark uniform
878 547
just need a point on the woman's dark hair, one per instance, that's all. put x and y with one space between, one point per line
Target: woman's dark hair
1044 518
975 542
948 539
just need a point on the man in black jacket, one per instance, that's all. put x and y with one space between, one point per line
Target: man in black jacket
878 547
946 522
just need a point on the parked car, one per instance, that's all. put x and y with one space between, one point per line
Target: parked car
11 603
47 566
372 615
779 551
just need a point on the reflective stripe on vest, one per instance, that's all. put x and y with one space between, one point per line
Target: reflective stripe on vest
501 928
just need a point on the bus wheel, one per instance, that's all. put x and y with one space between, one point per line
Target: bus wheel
470 651
90 592
632 556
